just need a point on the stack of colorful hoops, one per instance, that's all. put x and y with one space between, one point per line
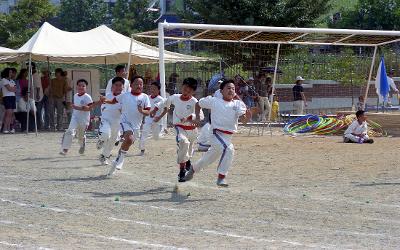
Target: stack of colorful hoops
323 125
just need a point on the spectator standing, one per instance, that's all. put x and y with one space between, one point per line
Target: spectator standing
43 109
26 105
68 96
8 89
120 71
298 96
21 83
264 91
392 86
57 91
38 91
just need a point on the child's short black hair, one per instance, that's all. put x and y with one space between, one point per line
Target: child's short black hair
157 84
225 82
118 79
137 77
190 82
119 68
82 80
360 113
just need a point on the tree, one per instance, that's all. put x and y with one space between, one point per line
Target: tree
132 16
23 21
371 14
295 13
82 15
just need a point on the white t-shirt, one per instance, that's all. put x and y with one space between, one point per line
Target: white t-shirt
155 101
205 133
80 115
37 83
356 128
5 91
183 109
224 114
130 113
392 84
111 112
24 106
218 94
127 87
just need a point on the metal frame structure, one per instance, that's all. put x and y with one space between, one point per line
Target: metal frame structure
269 35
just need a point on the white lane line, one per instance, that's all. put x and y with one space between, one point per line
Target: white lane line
5 243
132 242
112 238
186 211
204 231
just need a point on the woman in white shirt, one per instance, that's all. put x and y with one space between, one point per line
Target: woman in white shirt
24 106
8 88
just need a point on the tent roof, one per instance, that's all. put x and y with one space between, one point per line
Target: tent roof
274 35
96 46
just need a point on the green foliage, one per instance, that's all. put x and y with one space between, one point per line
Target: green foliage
132 16
350 69
27 16
298 13
82 15
371 14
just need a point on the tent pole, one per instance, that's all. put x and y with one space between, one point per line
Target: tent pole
105 65
271 98
369 77
162 65
129 57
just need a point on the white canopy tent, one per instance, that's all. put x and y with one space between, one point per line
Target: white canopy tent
270 35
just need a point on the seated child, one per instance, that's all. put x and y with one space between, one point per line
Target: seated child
358 131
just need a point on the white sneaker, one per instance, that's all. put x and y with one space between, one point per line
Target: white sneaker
6 132
103 160
112 169
12 131
99 144
63 152
221 182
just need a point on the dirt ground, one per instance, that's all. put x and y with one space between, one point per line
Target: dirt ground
285 193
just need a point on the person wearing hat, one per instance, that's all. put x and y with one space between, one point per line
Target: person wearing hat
392 86
298 96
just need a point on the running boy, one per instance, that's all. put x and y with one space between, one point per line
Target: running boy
134 105
225 113
81 106
152 122
183 118
358 130
110 121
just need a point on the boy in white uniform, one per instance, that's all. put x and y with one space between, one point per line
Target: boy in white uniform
110 121
80 118
120 71
358 130
152 122
183 118
134 105
224 116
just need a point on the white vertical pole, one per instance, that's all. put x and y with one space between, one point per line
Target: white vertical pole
271 98
129 58
161 67
161 58
369 77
